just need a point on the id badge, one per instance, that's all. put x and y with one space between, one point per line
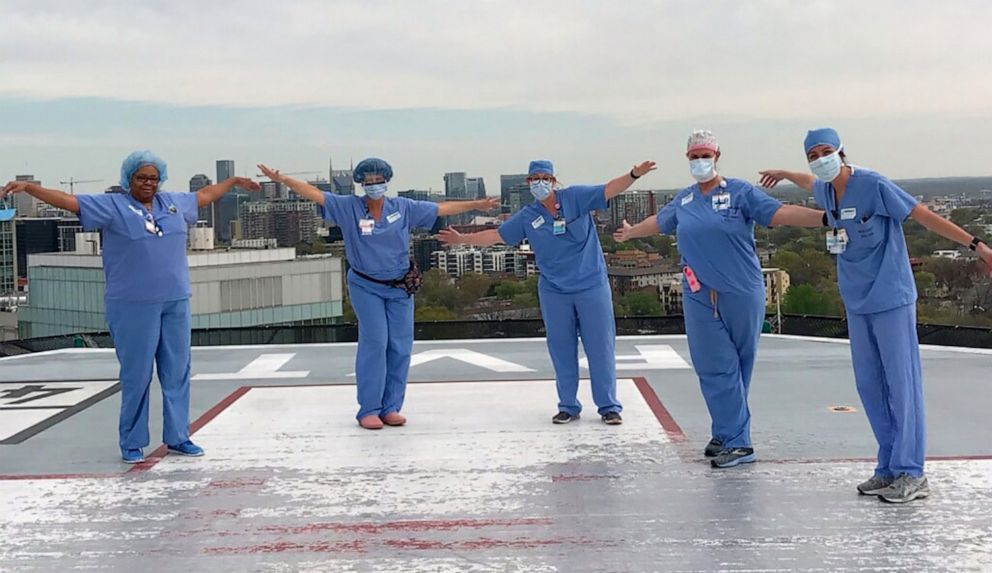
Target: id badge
836 241
366 226
690 277
559 227
721 201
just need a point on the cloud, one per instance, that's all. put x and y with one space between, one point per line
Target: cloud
635 61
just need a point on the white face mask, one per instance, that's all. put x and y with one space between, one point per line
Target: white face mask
703 169
375 190
540 189
826 168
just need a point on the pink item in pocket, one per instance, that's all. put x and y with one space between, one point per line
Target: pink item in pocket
690 277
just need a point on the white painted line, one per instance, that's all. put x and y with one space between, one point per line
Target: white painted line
651 357
935 347
469 357
265 367
46 399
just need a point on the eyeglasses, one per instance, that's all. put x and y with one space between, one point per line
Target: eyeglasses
145 179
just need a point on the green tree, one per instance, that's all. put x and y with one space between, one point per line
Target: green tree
924 282
474 286
807 299
639 304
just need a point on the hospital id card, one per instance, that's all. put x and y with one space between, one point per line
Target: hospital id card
366 226
836 241
559 227
721 201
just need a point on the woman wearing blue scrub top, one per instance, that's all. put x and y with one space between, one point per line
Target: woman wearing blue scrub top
573 288
147 290
723 290
865 212
376 233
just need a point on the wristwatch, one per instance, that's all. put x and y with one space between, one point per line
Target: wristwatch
632 176
974 243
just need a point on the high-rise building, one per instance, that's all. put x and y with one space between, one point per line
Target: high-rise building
422 247
8 251
270 190
225 170
342 182
514 192
455 186
35 235
197 182
67 229
475 187
115 189
633 206
288 221
226 210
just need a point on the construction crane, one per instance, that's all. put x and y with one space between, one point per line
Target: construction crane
73 182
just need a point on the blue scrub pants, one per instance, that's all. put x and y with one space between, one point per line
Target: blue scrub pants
723 348
886 355
385 342
148 334
588 314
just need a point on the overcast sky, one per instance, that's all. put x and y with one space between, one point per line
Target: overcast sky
485 86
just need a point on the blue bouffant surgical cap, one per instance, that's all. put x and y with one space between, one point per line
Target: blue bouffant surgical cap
822 136
137 160
541 167
372 166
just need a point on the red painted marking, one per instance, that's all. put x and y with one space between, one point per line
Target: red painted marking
666 420
416 526
203 420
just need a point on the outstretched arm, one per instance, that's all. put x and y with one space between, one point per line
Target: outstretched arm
445 208
212 193
771 177
796 216
302 188
950 231
53 197
622 183
485 238
645 228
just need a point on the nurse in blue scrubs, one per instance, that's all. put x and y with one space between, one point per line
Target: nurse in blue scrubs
865 212
147 290
573 287
376 231
723 291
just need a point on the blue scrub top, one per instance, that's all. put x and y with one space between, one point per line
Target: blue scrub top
873 273
140 266
716 239
573 261
385 254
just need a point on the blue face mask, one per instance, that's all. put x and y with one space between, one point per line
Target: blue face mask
826 168
374 190
703 169
540 189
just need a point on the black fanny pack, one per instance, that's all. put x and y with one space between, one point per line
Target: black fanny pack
410 282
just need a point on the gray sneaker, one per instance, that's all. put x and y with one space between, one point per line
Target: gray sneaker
875 485
905 488
713 448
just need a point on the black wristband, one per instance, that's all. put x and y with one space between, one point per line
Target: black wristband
632 176
825 222
974 243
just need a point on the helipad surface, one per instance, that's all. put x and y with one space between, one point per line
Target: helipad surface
480 480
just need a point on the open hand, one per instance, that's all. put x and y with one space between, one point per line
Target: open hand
450 236
771 177
246 183
622 234
644 168
489 204
15 187
272 174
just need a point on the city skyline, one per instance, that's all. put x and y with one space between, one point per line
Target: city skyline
594 87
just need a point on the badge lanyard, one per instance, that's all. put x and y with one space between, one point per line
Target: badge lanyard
366 225
836 236
559 222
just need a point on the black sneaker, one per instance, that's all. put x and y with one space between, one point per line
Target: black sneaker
731 457
612 418
713 448
564 418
